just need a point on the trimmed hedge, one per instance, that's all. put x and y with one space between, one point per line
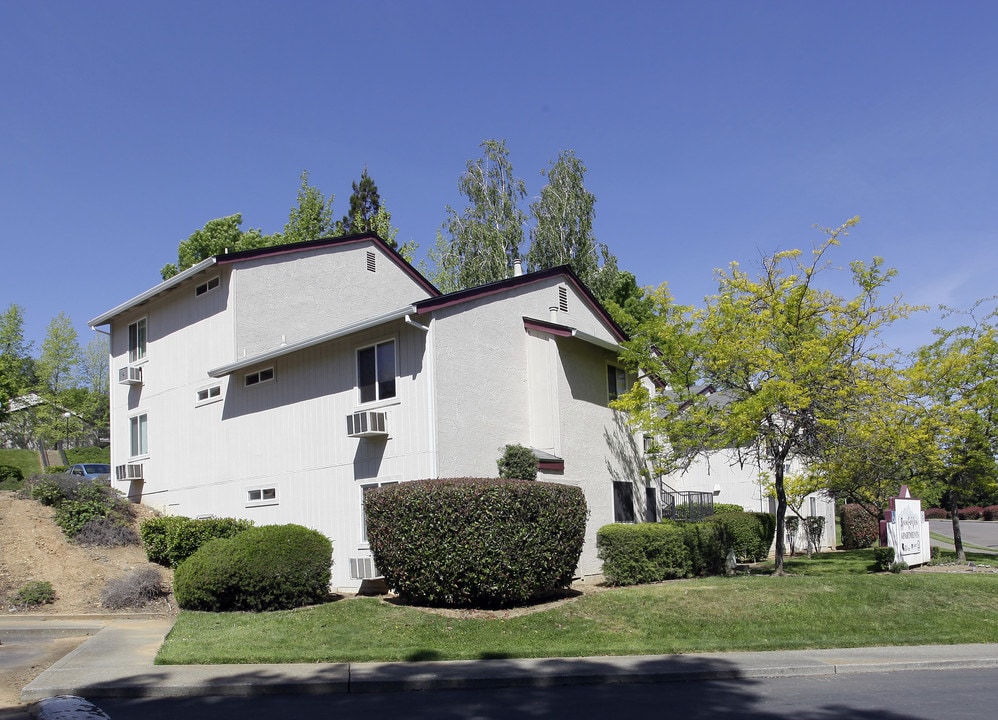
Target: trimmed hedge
475 542
643 553
860 529
171 539
936 514
991 512
273 567
749 534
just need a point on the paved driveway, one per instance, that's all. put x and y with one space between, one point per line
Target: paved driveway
982 533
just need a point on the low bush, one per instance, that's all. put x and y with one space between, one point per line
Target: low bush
749 534
973 512
990 512
860 529
79 501
936 514
90 454
706 550
171 539
134 590
33 594
11 478
643 553
883 558
518 462
721 508
56 469
473 542
106 532
273 567
72 515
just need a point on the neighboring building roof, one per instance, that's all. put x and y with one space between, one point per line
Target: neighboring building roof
273 251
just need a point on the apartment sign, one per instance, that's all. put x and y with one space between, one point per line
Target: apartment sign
905 529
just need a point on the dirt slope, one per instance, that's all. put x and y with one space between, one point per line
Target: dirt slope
32 547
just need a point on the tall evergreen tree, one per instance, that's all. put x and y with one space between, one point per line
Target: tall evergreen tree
364 205
485 238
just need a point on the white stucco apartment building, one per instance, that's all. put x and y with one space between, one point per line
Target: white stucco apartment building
280 384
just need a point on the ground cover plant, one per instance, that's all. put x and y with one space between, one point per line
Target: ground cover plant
824 609
80 503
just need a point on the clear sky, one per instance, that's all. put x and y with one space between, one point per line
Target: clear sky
712 131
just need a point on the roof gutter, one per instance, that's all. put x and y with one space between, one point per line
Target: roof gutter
311 342
151 293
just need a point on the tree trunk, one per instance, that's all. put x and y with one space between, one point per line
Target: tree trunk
781 517
954 509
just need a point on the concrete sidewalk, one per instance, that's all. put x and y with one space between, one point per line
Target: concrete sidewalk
117 661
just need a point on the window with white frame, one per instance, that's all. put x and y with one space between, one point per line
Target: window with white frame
260 376
209 394
616 382
138 435
365 489
261 496
137 340
376 372
207 286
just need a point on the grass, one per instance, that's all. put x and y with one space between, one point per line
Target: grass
26 460
816 607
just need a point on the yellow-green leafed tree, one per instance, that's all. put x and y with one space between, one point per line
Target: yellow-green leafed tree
957 378
767 366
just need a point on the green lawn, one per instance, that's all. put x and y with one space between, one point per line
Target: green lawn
817 607
26 460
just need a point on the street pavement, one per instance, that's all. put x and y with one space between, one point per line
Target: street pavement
118 661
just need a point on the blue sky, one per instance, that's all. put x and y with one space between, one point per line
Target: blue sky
712 131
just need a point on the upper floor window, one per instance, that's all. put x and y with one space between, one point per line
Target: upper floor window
260 376
376 371
209 394
139 435
137 340
206 287
616 382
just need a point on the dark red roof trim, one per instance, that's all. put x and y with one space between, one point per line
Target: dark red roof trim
555 465
547 327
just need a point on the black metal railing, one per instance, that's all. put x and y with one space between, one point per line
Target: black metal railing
686 505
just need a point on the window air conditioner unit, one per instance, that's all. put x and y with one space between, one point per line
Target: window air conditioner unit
366 424
128 472
363 568
130 375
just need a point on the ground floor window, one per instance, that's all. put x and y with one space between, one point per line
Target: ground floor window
261 496
623 502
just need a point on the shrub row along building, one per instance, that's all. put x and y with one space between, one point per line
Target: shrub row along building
281 384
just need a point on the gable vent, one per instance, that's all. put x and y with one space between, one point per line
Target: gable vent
372 265
563 299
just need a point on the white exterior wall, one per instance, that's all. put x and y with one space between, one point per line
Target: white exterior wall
287 298
506 385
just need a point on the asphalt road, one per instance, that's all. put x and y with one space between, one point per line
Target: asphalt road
976 532
908 695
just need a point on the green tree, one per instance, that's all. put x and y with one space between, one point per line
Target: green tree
59 357
15 360
563 228
957 377
311 218
785 357
364 205
485 238
215 238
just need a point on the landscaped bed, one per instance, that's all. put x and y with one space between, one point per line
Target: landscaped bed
828 601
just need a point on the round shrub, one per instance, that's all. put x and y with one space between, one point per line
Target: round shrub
936 514
171 539
518 462
472 542
642 553
860 529
749 534
720 508
273 567
990 512
11 478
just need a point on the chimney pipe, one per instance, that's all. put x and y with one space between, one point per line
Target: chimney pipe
517 268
